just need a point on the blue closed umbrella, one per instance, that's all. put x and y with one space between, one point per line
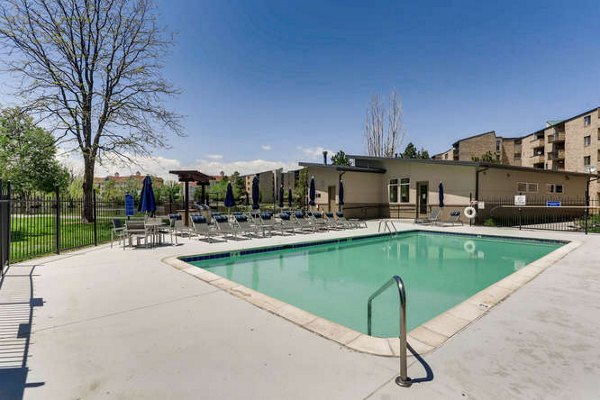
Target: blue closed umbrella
147 200
441 194
341 195
255 193
229 196
290 198
281 196
312 193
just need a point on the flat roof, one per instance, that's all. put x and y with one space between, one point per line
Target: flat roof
344 168
475 164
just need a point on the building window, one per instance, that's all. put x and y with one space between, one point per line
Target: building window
552 188
399 190
587 140
587 120
587 161
498 142
393 191
446 155
404 190
517 156
524 187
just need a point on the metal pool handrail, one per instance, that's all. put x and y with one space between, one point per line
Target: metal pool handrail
402 380
386 224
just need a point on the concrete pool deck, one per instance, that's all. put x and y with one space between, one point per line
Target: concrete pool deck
109 323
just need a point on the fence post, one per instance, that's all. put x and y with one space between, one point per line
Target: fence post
520 218
57 193
95 218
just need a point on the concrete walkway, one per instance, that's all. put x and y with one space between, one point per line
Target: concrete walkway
109 323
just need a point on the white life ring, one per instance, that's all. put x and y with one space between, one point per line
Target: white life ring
470 212
469 246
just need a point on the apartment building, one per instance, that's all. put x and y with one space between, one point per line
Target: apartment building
483 146
572 144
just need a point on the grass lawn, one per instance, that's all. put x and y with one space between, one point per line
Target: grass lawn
35 235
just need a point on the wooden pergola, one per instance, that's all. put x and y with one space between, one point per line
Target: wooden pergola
187 176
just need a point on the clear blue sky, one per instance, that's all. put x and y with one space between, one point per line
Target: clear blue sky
299 75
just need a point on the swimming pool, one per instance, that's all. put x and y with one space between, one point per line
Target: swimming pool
334 279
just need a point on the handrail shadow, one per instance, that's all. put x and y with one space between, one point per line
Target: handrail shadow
428 371
16 318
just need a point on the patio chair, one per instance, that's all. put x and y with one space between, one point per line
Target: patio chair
201 227
246 227
285 223
137 229
266 223
177 227
118 231
302 223
341 219
432 219
455 217
224 228
332 223
316 218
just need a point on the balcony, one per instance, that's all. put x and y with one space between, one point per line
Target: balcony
557 155
537 142
558 137
538 158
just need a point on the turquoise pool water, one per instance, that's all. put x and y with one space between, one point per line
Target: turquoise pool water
334 280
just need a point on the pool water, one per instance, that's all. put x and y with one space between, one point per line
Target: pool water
335 280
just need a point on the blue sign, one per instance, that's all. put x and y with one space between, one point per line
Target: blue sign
129 205
553 204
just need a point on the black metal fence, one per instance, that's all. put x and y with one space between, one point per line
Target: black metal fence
567 214
4 226
51 223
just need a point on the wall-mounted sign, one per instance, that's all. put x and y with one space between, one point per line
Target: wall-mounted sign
520 200
552 203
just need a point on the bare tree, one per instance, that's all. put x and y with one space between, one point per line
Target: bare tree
92 70
383 126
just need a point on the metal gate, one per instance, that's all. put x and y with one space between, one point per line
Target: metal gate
4 226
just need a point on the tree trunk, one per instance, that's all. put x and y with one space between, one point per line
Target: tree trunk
88 189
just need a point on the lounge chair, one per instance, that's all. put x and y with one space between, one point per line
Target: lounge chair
316 218
302 223
285 223
224 227
245 226
177 227
201 227
344 222
265 223
332 223
432 219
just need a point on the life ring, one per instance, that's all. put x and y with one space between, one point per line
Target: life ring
469 246
470 212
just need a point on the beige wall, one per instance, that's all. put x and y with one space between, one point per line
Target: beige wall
476 147
502 184
447 155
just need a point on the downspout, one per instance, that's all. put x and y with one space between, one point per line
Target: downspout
477 171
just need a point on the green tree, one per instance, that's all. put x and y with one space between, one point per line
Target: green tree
239 186
28 155
301 188
93 71
410 151
340 158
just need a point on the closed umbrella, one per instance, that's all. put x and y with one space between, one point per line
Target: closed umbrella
441 194
290 198
281 196
255 193
341 195
229 196
147 200
247 199
312 193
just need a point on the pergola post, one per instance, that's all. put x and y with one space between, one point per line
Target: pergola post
186 207
187 176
